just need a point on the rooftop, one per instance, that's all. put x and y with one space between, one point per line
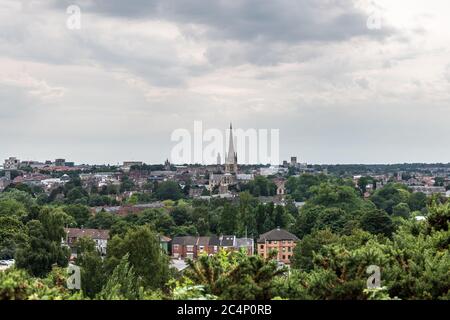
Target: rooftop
277 235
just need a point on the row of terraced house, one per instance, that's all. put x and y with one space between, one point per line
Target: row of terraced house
191 247
279 240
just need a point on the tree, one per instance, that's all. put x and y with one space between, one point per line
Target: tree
260 218
44 247
145 255
417 201
261 186
377 222
126 184
333 218
363 182
389 196
299 187
159 219
401 210
79 212
123 284
280 219
102 220
439 216
12 208
77 193
234 275
247 225
338 196
16 284
21 197
229 219
168 190
93 275
308 246
313 218
12 235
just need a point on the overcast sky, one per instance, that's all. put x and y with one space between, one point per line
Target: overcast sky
114 90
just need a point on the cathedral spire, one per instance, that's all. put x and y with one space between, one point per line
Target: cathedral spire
231 153
231 156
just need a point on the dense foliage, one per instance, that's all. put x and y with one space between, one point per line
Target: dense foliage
342 231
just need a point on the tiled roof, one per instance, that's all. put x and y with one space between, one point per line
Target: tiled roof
185 240
227 241
214 241
276 235
203 241
164 238
244 242
90 233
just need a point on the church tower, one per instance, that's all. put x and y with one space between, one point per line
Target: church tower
219 159
231 157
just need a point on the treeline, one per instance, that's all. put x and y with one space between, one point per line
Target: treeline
341 234
353 169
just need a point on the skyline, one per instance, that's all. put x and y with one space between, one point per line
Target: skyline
115 90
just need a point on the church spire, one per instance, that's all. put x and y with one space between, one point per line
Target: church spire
231 156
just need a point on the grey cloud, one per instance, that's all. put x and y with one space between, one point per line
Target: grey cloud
250 20
14 103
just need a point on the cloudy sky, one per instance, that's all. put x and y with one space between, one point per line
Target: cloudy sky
344 81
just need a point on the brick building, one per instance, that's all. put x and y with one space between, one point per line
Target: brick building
99 236
191 247
279 240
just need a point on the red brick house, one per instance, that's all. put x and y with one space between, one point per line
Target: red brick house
191 247
279 240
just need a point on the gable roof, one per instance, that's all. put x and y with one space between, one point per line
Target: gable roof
214 240
90 233
185 240
227 241
164 239
277 235
244 242
203 241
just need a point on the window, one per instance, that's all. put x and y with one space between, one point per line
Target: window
189 248
261 246
274 242
175 247
284 249
284 257
289 249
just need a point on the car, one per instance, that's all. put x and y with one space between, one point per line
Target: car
7 263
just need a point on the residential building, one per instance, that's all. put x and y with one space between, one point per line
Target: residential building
279 240
294 162
4 182
429 190
184 247
164 243
99 236
126 166
126 210
190 247
60 162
